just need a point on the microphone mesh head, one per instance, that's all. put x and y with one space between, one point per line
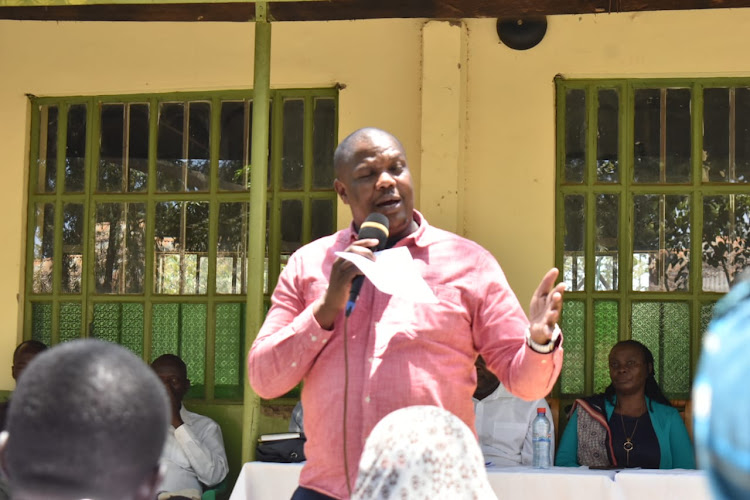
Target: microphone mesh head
375 226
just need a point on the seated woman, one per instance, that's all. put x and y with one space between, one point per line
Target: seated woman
631 425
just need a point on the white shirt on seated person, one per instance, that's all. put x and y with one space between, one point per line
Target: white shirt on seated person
193 456
503 422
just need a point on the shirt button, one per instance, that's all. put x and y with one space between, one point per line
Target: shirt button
371 359
367 399
325 340
294 364
313 338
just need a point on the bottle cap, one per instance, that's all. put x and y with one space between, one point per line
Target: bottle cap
541 410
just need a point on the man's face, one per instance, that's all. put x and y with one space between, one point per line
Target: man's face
377 179
21 360
177 385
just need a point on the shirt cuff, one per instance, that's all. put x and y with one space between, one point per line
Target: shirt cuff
550 346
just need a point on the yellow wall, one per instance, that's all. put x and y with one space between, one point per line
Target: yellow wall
499 158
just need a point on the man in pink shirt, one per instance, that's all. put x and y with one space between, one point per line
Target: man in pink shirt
398 353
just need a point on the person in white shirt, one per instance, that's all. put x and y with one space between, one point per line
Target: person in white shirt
193 453
503 421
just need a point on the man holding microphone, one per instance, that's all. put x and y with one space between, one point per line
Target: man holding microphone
391 352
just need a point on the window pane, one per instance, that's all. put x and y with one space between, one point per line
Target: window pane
607 241
661 242
75 152
70 321
138 148
123 153
180 329
647 138
607 141
228 355
172 149
233 152
292 161
664 327
181 248
716 118
165 328
193 346
183 155
324 142
41 322
120 247
120 323
573 323
707 314
231 258
112 142
742 132
199 147
606 328
662 141
72 258
679 143
44 246
322 218
575 135
574 270
726 225
291 227
46 162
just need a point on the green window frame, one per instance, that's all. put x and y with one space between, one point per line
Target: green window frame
143 241
653 215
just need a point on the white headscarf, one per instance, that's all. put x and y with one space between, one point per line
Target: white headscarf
422 452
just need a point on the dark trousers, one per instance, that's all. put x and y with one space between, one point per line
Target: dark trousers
308 494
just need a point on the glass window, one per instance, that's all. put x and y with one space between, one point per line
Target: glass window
149 249
631 220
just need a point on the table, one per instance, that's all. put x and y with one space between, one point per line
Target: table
272 481
662 484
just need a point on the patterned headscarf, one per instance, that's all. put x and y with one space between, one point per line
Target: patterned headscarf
422 452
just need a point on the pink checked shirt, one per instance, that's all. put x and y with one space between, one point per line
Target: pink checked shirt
400 353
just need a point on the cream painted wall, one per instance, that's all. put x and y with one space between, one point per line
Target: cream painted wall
510 159
506 168
377 62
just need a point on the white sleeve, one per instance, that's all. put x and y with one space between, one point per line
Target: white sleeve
204 447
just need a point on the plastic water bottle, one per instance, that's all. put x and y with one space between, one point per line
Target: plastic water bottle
540 436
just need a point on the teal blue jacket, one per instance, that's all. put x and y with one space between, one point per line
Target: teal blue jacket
674 442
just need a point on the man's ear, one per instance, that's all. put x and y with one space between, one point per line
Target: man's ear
341 191
3 465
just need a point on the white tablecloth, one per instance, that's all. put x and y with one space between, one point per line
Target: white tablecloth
675 484
271 481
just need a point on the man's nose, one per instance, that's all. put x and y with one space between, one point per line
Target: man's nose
385 180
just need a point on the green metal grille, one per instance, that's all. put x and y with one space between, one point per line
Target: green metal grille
138 222
652 209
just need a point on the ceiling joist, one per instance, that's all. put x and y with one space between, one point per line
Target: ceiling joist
328 10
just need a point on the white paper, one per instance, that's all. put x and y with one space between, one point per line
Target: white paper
393 272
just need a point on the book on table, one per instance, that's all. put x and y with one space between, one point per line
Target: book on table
276 437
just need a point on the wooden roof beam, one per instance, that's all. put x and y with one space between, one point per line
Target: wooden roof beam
327 10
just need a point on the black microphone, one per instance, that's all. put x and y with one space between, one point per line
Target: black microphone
374 226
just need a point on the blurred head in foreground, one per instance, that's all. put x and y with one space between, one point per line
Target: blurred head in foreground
422 452
88 420
721 399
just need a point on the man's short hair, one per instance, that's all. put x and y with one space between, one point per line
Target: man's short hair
33 346
88 420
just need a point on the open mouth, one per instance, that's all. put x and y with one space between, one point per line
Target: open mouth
391 202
